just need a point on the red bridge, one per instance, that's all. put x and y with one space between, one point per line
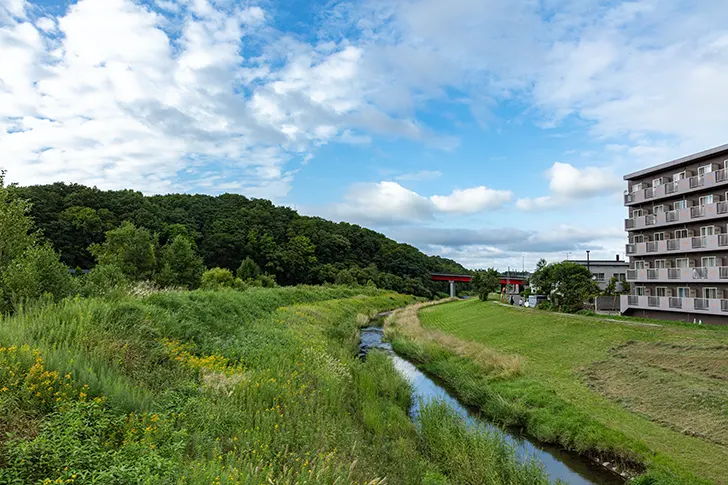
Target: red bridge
451 278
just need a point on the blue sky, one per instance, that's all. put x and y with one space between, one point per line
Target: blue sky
492 132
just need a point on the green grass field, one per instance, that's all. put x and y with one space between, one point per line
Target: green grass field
223 387
658 393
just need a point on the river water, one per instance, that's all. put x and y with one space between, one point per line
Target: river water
560 464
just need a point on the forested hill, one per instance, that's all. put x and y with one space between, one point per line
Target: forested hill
228 228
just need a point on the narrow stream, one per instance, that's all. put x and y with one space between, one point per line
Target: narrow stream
560 464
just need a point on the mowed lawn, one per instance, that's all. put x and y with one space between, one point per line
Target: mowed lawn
666 386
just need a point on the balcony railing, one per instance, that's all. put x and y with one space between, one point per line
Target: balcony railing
652 247
722 239
631 248
653 274
650 220
699 242
697 211
673 244
629 223
722 207
723 273
721 175
674 273
679 304
628 198
649 193
700 273
672 216
631 274
671 187
697 181
701 304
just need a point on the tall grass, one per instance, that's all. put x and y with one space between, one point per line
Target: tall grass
224 387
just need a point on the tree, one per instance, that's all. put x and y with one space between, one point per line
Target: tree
37 272
569 285
180 265
130 248
248 270
486 282
611 288
345 278
16 227
539 281
103 279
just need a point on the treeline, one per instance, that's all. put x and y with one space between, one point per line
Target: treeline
225 231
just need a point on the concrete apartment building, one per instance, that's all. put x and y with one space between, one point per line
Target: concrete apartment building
604 269
678 239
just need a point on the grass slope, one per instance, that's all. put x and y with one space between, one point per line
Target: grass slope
660 390
226 387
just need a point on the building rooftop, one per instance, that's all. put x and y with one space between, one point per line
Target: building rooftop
680 161
600 262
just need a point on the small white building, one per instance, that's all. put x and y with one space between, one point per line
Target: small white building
604 269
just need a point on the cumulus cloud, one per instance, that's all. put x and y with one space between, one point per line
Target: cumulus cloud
419 176
386 203
568 183
470 201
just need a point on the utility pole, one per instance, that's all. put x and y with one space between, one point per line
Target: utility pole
587 261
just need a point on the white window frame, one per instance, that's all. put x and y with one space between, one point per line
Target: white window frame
660 264
708 259
602 279
680 204
661 210
638 238
681 231
686 260
637 213
685 291
659 236
702 168
640 290
661 289
680 176
705 200
707 231
711 289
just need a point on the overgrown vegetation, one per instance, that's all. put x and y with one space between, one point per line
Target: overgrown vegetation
224 231
648 411
223 387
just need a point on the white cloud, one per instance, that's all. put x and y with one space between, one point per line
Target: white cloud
383 203
568 184
571 182
388 202
469 201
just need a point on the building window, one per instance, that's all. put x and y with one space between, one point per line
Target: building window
660 263
622 276
599 276
683 292
661 291
681 204
639 290
710 293
681 233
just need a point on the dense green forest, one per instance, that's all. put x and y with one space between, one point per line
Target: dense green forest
229 229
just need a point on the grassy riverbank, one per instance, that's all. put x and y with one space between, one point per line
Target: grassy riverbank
225 387
650 395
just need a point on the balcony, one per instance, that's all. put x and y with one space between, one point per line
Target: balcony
683 216
716 242
678 187
710 274
685 305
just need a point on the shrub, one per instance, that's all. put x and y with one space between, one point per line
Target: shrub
37 272
103 279
345 278
217 278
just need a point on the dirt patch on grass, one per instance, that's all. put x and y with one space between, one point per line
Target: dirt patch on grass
682 386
